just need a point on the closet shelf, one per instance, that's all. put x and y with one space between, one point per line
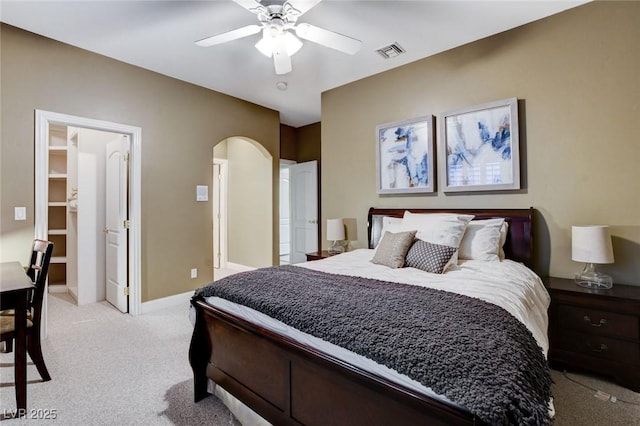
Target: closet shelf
57 232
57 204
57 148
57 175
58 259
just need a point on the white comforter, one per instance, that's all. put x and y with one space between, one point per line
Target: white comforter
508 284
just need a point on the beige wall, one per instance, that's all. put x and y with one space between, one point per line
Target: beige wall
577 75
300 144
180 125
308 142
288 146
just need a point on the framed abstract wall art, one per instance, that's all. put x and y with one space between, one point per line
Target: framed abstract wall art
405 153
479 148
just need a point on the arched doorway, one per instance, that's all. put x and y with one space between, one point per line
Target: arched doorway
243 205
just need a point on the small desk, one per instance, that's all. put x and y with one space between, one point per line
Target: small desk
15 286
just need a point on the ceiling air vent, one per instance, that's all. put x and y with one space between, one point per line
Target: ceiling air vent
390 51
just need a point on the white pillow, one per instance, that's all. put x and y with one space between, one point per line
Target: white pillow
482 240
445 229
438 228
391 224
503 239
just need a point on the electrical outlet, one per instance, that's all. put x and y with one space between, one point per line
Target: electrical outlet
194 273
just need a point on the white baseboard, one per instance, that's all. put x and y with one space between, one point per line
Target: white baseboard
57 288
166 302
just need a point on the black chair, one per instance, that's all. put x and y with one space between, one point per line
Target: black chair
37 271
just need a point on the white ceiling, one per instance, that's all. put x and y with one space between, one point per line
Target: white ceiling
160 35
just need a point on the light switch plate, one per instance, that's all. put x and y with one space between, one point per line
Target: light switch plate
202 193
20 213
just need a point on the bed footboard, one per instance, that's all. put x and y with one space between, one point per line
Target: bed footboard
287 382
199 351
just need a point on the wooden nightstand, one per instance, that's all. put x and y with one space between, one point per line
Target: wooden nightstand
317 255
595 330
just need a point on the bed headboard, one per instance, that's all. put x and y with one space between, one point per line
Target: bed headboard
519 244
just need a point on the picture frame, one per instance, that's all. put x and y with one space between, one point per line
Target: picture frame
479 148
405 156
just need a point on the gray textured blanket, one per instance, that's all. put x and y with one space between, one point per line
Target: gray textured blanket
471 351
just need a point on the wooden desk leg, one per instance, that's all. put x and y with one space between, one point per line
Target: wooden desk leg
21 353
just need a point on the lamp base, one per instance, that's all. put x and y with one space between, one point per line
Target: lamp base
336 248
591 278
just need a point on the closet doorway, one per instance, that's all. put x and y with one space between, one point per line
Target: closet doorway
88 203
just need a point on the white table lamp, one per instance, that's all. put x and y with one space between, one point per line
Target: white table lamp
592 245
335 233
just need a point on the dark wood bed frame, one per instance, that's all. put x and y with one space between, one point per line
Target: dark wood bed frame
287 382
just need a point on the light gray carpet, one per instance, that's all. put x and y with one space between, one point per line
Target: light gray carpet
576 405
109 368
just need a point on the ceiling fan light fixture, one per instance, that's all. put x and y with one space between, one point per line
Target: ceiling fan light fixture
292 43
281 34
267 44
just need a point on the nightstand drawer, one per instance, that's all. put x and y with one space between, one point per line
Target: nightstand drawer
598 322
599 346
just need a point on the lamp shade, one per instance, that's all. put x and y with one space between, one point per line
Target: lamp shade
335 229
591 244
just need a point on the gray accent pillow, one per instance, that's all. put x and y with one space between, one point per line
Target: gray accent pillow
428 256
393 248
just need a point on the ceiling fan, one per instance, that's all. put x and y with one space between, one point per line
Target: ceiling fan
278 21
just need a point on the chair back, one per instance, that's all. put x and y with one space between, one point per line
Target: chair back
38 271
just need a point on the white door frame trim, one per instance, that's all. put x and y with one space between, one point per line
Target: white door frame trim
224 207
43 119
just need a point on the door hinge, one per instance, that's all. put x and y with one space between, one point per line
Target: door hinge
126 291
127 224
126 156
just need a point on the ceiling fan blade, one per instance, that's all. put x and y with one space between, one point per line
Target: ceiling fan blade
328 38
299 6
302 6
229 35
281 58
253 6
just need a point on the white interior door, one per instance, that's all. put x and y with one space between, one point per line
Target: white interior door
303 191
116 227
